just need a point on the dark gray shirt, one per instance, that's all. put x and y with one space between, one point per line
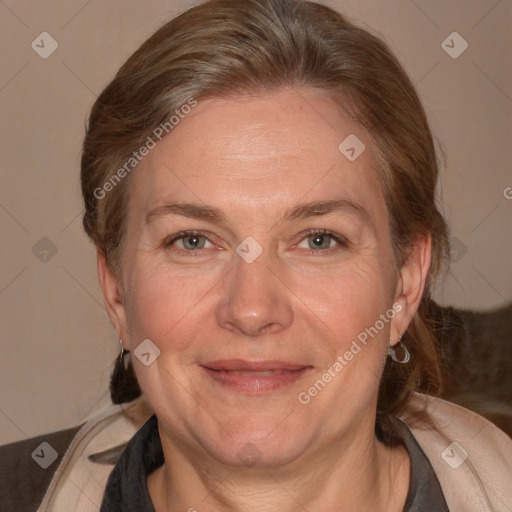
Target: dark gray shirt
127 489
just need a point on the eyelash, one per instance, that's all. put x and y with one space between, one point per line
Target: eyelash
340 240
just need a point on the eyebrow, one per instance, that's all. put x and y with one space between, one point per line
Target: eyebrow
299 212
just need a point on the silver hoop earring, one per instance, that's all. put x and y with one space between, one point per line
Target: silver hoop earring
392 353
123 382
123 350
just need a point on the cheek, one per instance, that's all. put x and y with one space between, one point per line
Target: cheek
355 303
161 306
349 299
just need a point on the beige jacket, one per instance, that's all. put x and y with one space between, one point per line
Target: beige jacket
471 457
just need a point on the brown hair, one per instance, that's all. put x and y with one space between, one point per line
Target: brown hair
225 48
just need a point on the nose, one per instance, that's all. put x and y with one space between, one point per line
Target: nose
254 300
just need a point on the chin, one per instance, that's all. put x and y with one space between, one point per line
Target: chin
253 446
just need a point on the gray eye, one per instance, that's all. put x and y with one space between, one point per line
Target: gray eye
319 241
194 242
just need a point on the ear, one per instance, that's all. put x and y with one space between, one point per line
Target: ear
410 285
113 295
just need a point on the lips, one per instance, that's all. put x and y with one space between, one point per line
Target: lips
263 372
254 377
252 366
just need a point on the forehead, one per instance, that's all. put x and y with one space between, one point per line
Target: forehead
261 154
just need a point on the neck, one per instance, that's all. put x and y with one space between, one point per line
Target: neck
346 475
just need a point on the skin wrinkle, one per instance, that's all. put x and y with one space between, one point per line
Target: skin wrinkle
287 305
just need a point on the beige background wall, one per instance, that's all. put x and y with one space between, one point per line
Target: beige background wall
57 344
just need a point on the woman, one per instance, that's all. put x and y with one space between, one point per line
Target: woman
259 180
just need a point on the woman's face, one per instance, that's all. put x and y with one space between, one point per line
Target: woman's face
272 318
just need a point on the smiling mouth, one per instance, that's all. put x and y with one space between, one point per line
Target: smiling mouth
254 377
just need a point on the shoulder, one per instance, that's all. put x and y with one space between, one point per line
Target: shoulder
71 471
27 468
471 457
